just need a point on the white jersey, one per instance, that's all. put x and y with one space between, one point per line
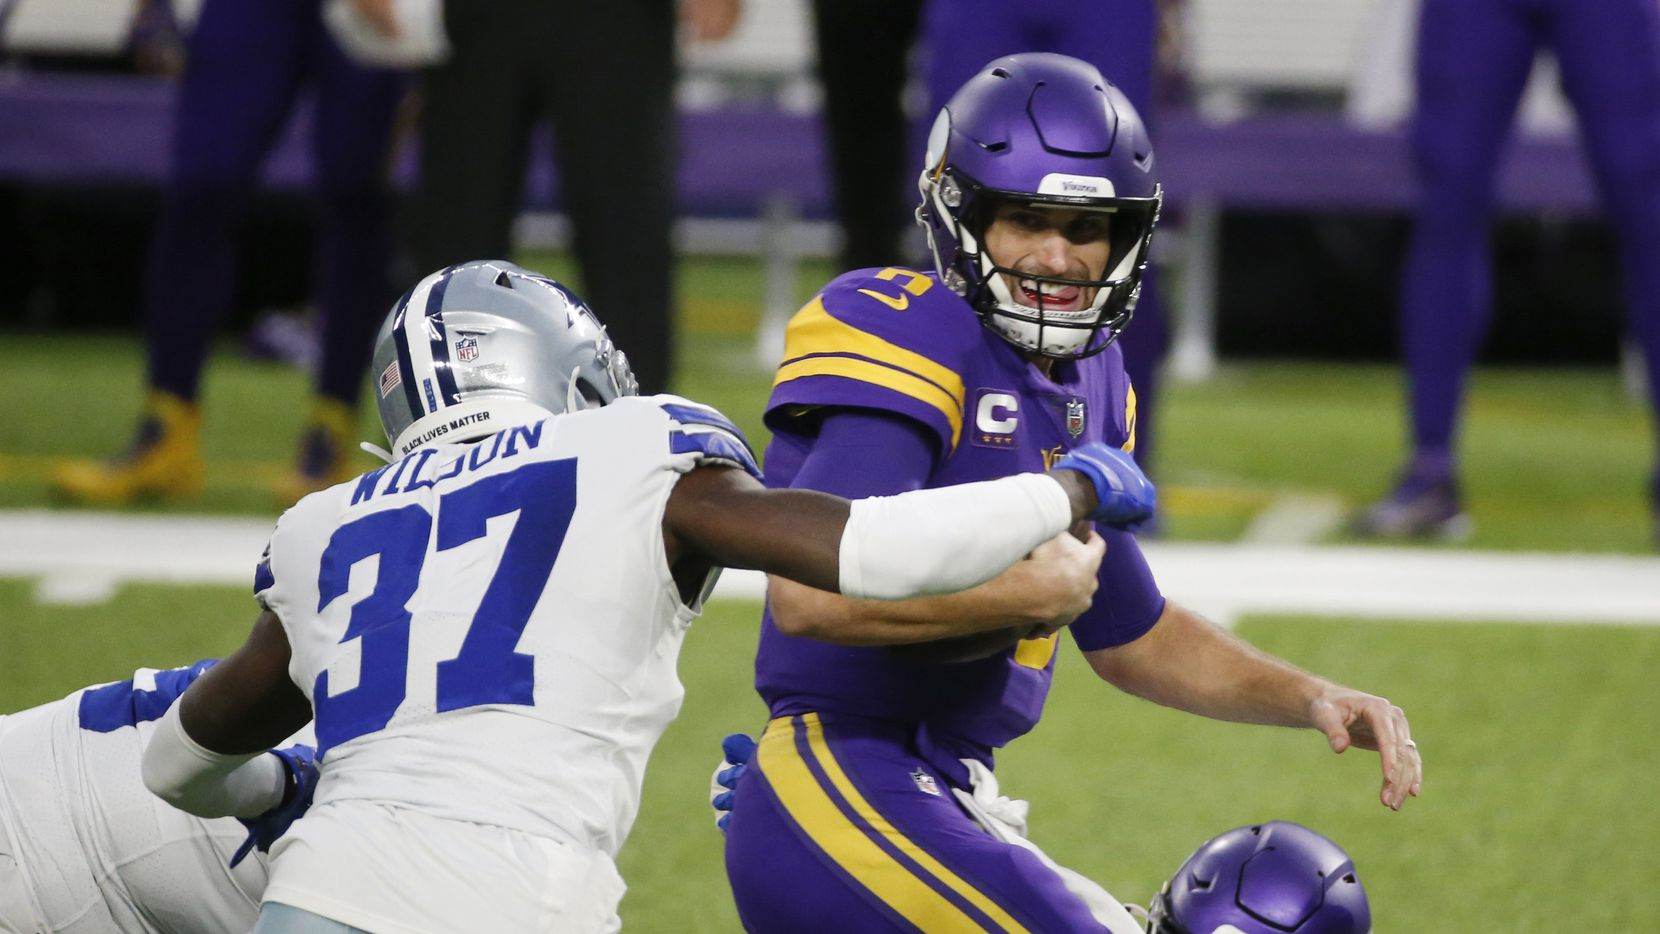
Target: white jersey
86 847
488 634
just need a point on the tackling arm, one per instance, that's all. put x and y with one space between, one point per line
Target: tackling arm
925 541
204 757
865 452
1189 663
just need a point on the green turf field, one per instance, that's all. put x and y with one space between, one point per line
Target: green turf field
1538 740
1538 745
1556 459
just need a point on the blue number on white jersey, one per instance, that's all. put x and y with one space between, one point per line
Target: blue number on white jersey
487 670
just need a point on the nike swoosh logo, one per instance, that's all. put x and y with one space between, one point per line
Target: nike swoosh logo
897 304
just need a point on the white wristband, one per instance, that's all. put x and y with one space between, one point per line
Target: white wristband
199 781
947 539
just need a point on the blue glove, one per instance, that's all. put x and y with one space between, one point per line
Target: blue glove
736 751
1126 498
300 762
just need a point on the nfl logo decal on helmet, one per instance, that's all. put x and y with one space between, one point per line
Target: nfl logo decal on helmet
1041 131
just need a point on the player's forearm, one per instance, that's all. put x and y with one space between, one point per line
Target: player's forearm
949 539
1190 664
198 781
815 614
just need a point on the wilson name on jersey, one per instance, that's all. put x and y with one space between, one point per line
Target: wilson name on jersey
488 632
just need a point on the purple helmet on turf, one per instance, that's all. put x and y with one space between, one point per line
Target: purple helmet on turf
1264 879
1044 131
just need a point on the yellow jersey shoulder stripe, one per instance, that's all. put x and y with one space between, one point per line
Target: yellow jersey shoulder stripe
832 831
817 343
869 371
814 330
832 768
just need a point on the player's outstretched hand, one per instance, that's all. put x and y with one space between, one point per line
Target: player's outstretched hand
736 751
1125 498
300 762
1352 718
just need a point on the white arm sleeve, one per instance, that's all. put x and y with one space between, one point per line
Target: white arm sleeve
199 781
947 539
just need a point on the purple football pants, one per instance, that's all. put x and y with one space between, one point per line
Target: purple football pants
1117 36
248 61
839 825
1473 60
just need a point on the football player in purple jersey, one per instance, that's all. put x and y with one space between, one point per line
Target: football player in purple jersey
1474 57
1120 37
871 804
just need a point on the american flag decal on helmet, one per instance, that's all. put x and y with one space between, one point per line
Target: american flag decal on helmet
390 379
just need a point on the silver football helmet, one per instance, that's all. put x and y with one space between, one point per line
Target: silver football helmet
476 347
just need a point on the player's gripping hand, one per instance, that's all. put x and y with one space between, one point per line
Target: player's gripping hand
1057 582
1125 498
736 751
300 762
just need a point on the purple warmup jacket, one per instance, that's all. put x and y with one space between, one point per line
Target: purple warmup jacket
889 382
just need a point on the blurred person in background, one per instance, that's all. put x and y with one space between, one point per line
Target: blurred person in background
864 49
1473 60
603 73
246 65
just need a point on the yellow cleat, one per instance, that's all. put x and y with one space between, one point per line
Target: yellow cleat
165 459
327 451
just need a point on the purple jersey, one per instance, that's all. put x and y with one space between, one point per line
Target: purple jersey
898 341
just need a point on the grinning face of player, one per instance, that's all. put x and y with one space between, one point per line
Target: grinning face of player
1064 243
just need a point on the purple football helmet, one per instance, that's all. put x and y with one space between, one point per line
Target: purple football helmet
1042 131
1264 879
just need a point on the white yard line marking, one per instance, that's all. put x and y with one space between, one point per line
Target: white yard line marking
99 550
74 589
1295 519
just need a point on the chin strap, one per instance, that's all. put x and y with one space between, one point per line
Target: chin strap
377 450
573 399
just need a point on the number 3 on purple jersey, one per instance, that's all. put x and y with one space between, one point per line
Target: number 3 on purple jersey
487 670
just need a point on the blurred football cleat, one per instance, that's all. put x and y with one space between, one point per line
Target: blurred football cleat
328 446
163 461
1420 506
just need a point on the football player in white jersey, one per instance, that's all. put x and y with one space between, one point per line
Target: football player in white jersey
487 628
85 848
